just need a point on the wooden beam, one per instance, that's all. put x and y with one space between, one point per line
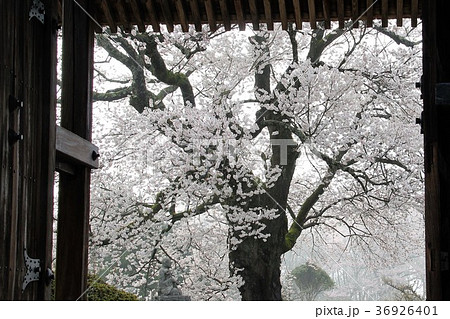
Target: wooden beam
369 19
211 15
196 15
239 14
152 13
137 12
442 92
167 13
355 12
108 15
268 14
312 13
75 149
326 13
399 13
122 16
414 12
76 116
254 14
283 14
341 14
225 14
298 15
384 13
182 16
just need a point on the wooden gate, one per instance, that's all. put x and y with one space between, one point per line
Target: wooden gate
27 145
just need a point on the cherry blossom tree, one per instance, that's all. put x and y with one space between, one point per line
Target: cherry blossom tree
222 150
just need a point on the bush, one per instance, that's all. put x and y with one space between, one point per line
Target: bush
99 290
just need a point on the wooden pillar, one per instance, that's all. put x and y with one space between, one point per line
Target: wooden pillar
436 125
27 111
76 116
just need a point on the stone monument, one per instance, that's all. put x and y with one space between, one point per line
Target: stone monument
167 285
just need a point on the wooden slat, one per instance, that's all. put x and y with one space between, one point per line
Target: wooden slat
355 12
414 12
152 13
283 14
239 14
196 15
123 17
73 148
107 11
182 16
167 13
297 14
211 15
369 19
254 14
326 13
341 14
312 13
399 13
137 12
384 13
268 14
225 14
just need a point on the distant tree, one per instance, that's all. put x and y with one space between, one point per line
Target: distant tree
312 281
404 291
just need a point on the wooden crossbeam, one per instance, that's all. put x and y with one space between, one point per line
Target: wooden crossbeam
72 148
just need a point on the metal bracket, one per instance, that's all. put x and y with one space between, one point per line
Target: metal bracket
33 270
37 10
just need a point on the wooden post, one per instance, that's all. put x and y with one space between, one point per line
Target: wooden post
436 69
76 116
27 103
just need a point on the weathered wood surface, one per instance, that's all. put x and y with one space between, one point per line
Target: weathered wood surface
28 73
436 69
76 116
442 95
74 149
216 13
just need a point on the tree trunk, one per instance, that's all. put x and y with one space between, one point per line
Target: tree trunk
258 262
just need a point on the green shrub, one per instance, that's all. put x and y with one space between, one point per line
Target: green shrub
99 290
